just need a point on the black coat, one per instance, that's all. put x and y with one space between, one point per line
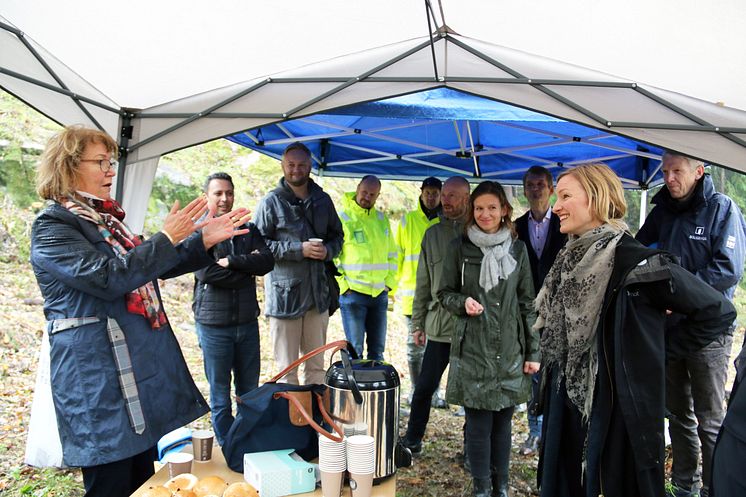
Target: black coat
554 243
625 443
227 296
728 477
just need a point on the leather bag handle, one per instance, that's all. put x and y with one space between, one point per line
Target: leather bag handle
338 345
309 419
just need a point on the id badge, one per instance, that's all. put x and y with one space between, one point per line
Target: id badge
359 236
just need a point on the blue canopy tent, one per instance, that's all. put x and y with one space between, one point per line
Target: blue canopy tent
444 132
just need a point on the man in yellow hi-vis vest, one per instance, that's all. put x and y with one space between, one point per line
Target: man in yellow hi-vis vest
408 239
367 264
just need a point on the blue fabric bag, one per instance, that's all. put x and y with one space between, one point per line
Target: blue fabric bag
279 416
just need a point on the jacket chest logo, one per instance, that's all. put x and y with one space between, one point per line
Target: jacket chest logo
699 234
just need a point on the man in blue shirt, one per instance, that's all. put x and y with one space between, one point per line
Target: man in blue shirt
539 229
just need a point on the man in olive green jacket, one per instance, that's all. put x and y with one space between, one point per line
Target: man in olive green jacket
428 316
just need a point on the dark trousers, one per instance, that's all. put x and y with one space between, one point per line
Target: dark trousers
229 351
434 362
119 478
488 437
695 395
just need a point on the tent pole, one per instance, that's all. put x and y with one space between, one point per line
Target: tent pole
643 206
125 133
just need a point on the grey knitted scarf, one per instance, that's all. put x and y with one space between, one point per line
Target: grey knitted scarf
569 308
497 263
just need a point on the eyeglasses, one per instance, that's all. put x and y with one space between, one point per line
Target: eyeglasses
106 165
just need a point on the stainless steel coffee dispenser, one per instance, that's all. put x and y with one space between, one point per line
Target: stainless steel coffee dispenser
376 409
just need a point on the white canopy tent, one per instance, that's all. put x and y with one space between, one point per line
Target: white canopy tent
644 113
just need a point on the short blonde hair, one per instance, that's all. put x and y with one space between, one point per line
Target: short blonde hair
60 162
604 190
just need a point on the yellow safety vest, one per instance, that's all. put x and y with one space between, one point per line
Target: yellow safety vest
368 259
408 238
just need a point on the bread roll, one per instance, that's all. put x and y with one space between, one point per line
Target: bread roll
210 485
184 493
156 492
184 481
240 489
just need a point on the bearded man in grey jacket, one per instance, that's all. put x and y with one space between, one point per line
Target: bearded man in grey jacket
304 233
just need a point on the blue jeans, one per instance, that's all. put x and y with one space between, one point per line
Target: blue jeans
364 316
534 420
226 350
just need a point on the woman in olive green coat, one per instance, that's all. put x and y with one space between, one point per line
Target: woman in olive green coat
487 286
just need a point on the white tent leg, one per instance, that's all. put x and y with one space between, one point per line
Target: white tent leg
643 207
138 184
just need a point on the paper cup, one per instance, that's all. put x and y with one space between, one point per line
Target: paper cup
361 484
332 455
202 445
178 463
316 240
331 483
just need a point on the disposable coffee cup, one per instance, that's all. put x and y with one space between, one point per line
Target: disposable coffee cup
202 445
179 463
331 483
316 240
361 484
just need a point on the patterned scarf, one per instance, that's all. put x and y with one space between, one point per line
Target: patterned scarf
108 215
497 262
569 309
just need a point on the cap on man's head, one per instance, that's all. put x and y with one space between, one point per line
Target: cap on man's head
431 181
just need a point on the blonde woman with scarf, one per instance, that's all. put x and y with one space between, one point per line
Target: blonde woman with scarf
119 381
487 286
601 317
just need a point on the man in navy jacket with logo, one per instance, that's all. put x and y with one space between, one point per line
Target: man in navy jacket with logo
706 231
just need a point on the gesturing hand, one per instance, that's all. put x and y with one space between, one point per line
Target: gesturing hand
472 307
217 229
180 223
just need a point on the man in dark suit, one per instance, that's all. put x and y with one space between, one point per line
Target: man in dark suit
539 229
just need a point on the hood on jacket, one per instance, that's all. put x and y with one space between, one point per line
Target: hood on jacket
350 205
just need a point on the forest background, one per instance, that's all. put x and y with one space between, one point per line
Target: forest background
23 134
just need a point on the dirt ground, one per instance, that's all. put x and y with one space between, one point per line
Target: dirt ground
438 472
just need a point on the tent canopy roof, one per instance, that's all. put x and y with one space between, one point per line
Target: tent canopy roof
444 132
455 88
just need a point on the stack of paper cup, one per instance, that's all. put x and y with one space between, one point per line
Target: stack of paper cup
332 465
349 429
361 428
361 463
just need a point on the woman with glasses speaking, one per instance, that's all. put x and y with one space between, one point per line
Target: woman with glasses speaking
119 380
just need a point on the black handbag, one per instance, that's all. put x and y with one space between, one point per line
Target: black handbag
281 416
